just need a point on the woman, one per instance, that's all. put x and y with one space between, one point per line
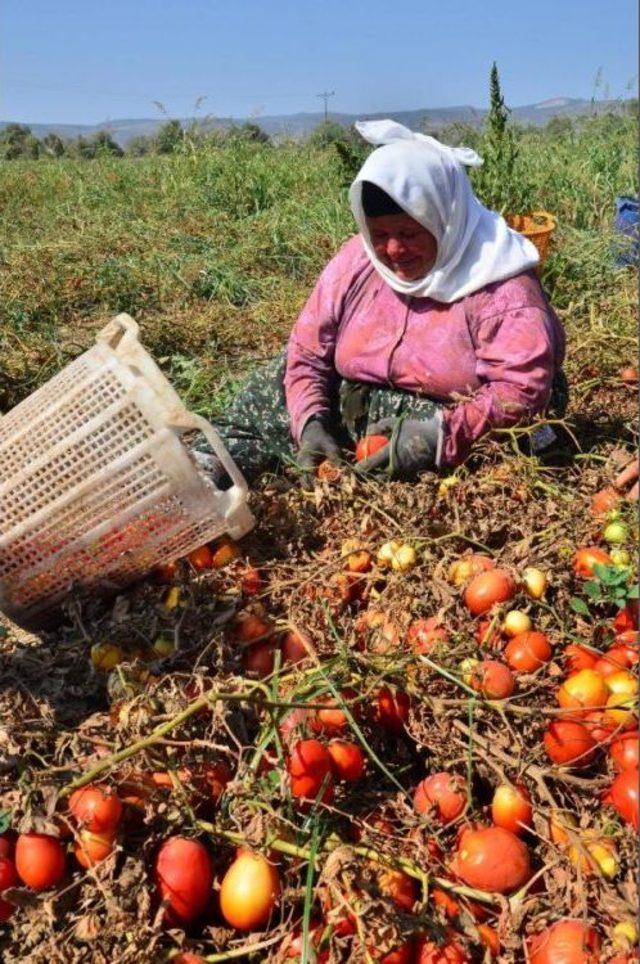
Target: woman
429 326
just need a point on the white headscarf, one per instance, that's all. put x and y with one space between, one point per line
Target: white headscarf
428 181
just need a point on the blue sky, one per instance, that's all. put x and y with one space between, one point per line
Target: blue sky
87 61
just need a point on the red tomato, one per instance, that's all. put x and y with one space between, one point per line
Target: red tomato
309 767
258 660
215 777
424 634
166 573
184 878
579 657
492 859
347 760
583 691
393 710
487 637
626 619
8 878
614 660
397 885
39 860
449 905
443 794
251 581
91 848
598 726
493 679
586 558
249 891
487 589
604 501
250 628
400 955
490 939
369 445
96 808
623 796
624 750
528 651
332 720
511 808
201 558
8 844
186 957
450 952
567 741
293 648
567 941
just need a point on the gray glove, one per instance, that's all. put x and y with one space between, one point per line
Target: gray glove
413 446
316 444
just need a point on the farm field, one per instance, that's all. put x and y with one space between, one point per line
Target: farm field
308 631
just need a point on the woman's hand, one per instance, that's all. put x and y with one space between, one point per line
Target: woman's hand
316 444
628 475
412 448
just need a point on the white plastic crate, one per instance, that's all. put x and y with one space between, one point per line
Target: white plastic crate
96 486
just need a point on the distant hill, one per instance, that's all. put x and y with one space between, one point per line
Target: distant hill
297 125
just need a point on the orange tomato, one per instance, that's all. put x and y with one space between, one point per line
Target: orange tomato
201 558
347 760
492 859
493 679
369 445
586 558
446 902
583 691
629 375
184 878
223 552
443 794
528 651
626 619
464 568
604 501
490 939
310 768
511 808
579 657
328 472
567 741
249 891
615 659
568 941
487 589
397 885
39 860
96 808
91 848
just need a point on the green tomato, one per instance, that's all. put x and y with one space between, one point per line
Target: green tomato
613 515
616 533
620 557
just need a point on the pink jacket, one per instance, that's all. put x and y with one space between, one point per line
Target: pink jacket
492 355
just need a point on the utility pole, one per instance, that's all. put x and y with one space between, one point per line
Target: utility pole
325 95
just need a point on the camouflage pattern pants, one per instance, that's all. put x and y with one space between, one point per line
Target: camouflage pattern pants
255 428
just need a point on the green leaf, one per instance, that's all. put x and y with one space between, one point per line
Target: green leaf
593 591
633 592
5 820
579 606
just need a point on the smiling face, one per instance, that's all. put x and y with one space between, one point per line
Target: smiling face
403 245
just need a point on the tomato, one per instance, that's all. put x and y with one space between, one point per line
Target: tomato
328 472
516 622
216 776
528 651
331 721
443 794
560 825
223 552
186 957
623 796
622 683
294 945
166 573
463 569
621 711
399 955
487 637
135 789
629 640
534 582
425 634
492 859
397 885
490 939
598 726
393 710
248 627
449 905
249 891
615 659
629 375
511 808
567 741
604 501
184 877
625 750
359 561
586 558
8 844
487 589
96 808
39 860
579 657
309 767
201 558
295 648
568 941
493 679
347 760
583 691
449 952
8 878
626 619
369 445
258 660
250 581
91 848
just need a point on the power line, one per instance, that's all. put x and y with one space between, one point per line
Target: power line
325 95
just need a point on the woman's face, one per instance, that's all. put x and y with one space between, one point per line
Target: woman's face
403 245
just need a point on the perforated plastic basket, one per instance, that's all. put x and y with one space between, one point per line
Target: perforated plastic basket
96 486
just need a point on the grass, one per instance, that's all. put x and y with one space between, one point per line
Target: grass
214 251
